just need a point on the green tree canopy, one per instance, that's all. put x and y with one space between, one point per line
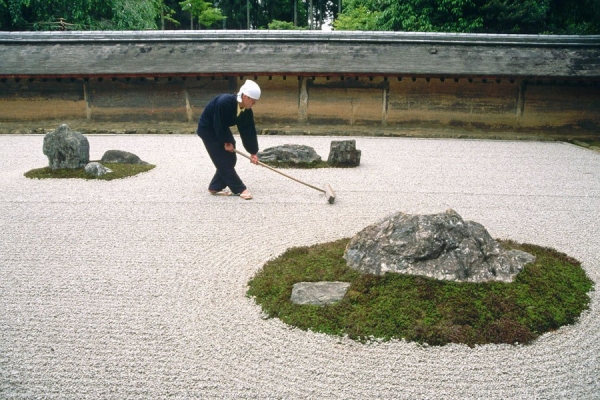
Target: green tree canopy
482 16
283 25
478 16
78 14
358 19
203 11
134 14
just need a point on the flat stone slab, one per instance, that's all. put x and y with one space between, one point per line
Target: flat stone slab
318 293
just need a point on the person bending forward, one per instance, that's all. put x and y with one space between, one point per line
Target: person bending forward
222 112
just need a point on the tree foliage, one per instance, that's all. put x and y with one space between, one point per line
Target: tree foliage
203 10
134 14
282 25
78 14
358 19
580 17
476 16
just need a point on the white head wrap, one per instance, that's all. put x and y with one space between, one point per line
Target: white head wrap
250 89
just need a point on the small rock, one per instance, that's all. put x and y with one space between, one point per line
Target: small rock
97 169
318 293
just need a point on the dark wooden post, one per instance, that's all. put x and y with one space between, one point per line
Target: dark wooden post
385 103
86 98
521 99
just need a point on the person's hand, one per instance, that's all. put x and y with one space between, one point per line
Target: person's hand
229 147
253 158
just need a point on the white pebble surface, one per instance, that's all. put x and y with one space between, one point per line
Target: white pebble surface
136 288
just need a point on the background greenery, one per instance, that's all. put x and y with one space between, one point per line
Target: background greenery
547 294
470 16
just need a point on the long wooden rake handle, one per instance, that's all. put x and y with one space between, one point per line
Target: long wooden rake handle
281 173
329 193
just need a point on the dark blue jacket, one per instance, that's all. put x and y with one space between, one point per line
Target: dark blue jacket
220 114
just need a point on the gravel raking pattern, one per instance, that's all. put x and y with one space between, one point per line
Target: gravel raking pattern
136 288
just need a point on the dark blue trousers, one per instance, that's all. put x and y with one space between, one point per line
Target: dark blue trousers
224 161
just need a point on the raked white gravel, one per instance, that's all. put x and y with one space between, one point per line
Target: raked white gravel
136 288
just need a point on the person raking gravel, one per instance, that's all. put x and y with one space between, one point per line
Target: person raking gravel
222 112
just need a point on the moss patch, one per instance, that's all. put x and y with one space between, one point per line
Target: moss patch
119 171
546 295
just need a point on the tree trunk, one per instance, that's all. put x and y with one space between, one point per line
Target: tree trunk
295 12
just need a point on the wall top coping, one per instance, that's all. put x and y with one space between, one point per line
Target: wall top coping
299 35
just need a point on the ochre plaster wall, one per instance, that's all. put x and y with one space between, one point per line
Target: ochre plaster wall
349 101
279 99
38 100
362 101
548 105
452 103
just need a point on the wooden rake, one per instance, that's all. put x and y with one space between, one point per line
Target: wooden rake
328 191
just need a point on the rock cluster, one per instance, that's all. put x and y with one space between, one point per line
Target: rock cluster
342 153
66 148
441 246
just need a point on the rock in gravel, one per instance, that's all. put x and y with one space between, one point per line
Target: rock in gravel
343 153
66 148
121 157
96 169
292 153
441 246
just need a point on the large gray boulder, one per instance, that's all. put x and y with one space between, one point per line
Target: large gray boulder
66 148
121 157
440 246
289 153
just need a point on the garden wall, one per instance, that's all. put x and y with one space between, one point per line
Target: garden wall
381 79
361 101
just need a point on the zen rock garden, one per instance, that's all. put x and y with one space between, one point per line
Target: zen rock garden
441 246
68 149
